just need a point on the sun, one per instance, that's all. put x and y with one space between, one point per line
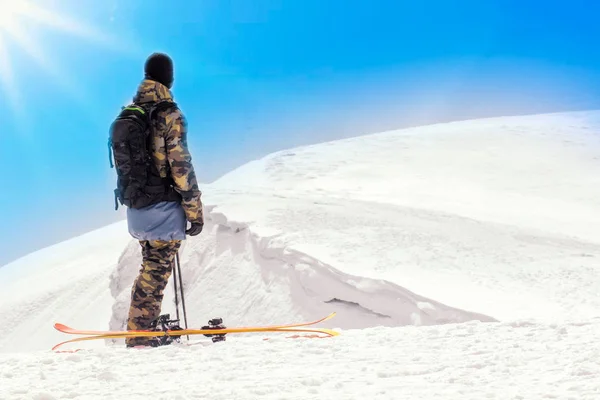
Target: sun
17 17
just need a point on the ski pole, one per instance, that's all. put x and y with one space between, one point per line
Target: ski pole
181 288
176 292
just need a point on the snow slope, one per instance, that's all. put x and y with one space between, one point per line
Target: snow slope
65 282
445 225
470 361
499 213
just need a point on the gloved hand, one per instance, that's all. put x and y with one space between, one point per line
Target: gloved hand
195 229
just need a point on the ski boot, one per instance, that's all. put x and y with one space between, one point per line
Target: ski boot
162 324
215 323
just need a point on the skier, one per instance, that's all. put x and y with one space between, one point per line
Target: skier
161 226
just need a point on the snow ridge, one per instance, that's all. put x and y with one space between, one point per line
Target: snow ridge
279 281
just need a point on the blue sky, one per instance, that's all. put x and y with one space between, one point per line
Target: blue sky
258 76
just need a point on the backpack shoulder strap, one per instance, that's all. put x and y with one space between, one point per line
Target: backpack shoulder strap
162 106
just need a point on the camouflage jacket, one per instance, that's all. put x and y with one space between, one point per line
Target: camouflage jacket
169 148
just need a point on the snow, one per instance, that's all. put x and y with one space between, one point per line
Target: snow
455 361
65 282
461 258
500 212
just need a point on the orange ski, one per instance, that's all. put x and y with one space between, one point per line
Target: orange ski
185 332
65 329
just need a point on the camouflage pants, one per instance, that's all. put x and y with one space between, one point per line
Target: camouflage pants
148 288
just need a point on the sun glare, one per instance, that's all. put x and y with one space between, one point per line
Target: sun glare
16 18
7 9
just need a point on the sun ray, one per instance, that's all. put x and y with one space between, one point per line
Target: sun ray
56 21
20 20
7 77
11 94
20 36
26 10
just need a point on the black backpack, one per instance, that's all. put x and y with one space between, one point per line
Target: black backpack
138 180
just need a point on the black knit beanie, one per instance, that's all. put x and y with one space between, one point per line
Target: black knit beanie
159 67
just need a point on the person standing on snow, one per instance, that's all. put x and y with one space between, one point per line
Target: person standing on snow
160 226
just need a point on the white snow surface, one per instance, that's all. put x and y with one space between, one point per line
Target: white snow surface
463 260
469 361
